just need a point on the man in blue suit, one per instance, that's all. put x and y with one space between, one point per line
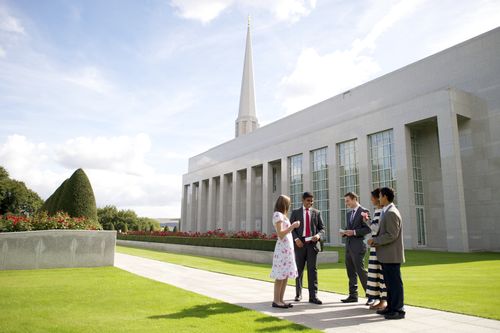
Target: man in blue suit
355 248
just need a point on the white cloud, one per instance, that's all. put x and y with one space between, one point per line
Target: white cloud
123 153
397 12
2 52
90 78
200 10
115 166
287 10
9 23
466 21
317 77
27 161
206 11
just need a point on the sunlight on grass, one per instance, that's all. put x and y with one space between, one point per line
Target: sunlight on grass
108 299
466 283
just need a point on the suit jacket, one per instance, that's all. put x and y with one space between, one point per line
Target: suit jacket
389 241
356 243
317 226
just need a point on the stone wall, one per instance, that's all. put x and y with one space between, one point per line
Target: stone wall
57 249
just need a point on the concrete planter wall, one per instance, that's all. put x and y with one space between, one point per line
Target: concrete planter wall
57 249
261 257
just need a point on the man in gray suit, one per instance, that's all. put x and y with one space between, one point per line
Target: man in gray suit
355 248
390 253
306 237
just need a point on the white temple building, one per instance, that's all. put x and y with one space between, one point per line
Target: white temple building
430 130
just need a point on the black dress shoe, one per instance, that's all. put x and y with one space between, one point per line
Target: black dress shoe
350 299
383 311
298 298
395 315
275 305
315 301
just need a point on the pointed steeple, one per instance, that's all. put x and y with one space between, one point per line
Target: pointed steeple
247 119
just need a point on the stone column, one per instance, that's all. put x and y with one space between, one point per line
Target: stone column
404 181
235 218
222 203
250 218
184 208
285 188
267 205
210 217
306 171
453 187
364 168
194 207
201 221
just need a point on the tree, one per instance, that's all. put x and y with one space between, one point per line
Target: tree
16 197
75 197
113 219
107 216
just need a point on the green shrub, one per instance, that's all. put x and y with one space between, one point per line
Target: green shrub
75 197
237 243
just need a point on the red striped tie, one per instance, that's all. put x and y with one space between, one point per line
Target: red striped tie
308 224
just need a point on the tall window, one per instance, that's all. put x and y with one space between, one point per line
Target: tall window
348 175
382 159
296 181
320 183
418 185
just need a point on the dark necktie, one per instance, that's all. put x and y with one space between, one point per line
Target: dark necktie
352 217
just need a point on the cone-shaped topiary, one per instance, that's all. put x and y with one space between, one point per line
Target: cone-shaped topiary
75 197
51 204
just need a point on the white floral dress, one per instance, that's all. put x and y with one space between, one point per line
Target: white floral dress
284 266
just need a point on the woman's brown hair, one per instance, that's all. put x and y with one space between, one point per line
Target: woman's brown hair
282 204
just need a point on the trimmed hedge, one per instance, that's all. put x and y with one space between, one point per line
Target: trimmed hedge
236 243
75 197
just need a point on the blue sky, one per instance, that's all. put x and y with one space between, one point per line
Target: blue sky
128 90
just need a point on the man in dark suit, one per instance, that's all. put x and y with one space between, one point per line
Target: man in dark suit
390 253
355 248
306 236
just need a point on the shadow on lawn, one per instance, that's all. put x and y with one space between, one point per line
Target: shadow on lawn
206 310
202 311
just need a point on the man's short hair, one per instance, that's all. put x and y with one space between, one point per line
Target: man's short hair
388 193
307 195
351 195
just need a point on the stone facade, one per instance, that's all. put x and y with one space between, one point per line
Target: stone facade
431 129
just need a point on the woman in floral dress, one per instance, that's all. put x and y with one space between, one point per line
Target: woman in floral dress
284 266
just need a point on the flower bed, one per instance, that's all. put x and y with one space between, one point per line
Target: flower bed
42 221
253 240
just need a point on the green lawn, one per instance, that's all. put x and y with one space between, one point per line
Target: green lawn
459 282
111 300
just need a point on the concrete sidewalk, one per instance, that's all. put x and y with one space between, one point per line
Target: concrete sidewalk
332 316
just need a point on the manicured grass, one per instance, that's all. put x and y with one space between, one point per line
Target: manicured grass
466 283
111 300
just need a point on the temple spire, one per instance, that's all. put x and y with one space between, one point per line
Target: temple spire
247 119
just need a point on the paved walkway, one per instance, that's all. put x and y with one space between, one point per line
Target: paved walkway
332 316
